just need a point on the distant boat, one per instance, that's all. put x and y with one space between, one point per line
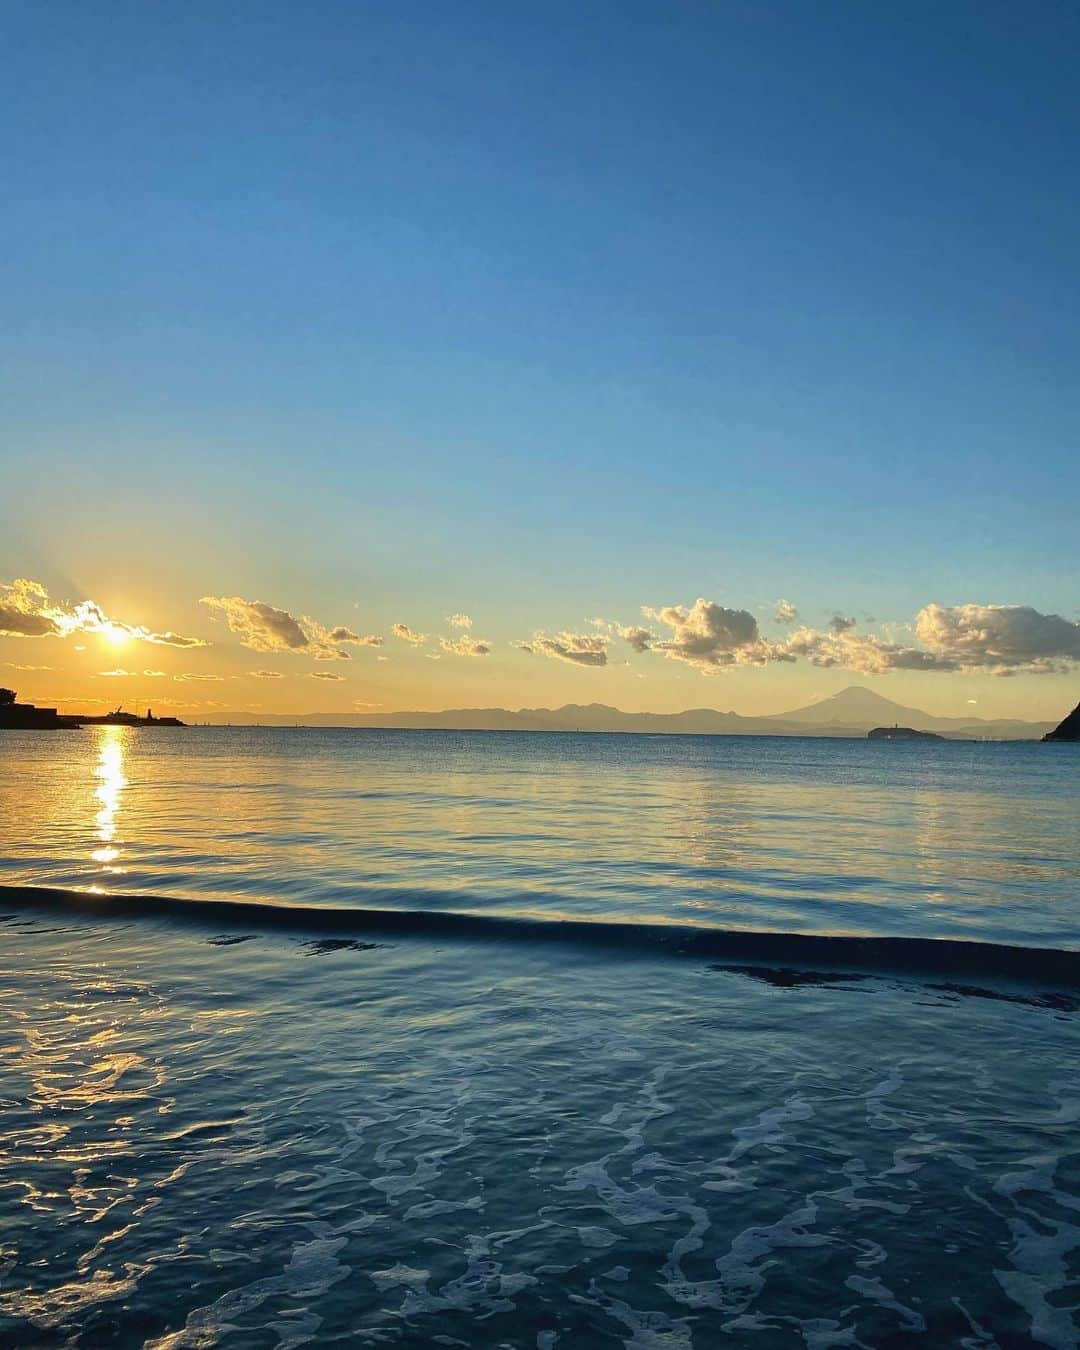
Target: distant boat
902 734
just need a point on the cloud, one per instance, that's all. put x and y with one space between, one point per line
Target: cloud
155 674
459 621
27 611
785 612
189 675
259 626
864 653
640 639
266 628
162 639
839 624
267 674
325 675
14 665
318 634
403 631
711 637
119 674
581 649
1004 639
466 646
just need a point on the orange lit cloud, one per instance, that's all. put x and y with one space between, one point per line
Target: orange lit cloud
465 646
27 611
266 628
403 631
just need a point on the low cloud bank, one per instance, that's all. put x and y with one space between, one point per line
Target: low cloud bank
999 640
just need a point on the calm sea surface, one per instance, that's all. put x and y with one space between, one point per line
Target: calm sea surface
215 1136
835 836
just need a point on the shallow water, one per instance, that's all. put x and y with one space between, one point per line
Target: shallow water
278 1142
833 836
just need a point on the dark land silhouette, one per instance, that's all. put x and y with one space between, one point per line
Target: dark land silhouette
15 716
1068 730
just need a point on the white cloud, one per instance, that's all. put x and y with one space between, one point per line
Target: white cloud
711 637
267 674
785 612
465 646
403 631
864 653
459 621
325 675
1004 639
27 611
187 675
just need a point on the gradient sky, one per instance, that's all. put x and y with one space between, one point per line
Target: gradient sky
542 313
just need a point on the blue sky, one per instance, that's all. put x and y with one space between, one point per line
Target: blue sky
545 312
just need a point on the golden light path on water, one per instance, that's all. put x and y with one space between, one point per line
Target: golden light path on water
111 782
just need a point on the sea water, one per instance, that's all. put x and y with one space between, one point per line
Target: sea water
213 1135
933 839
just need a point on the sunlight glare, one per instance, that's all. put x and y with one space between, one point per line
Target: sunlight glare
115 634
110 773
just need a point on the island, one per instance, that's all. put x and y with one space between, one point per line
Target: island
15 716
902 734
1068 730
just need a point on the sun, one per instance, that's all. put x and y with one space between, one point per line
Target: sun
116 635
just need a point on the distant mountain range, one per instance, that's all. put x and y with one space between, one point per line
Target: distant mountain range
852 712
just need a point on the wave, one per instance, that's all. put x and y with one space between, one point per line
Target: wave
901 955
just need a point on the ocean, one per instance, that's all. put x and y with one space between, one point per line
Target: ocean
544 1100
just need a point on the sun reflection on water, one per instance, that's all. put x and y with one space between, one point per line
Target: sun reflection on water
111 783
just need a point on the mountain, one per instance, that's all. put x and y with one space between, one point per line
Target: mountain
1068 730
860 707
852 712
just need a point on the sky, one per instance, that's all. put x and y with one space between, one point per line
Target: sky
658 341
